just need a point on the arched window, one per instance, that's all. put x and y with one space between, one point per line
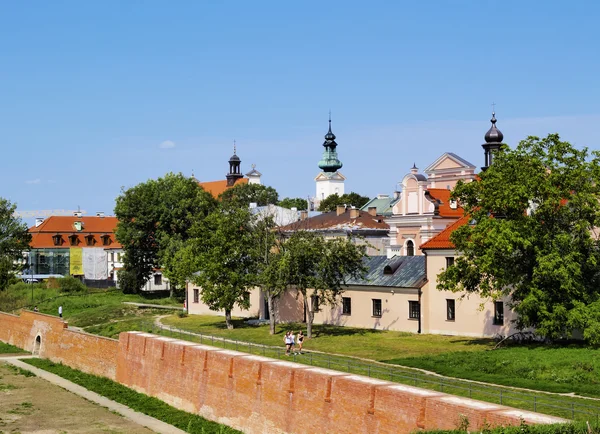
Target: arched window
410 248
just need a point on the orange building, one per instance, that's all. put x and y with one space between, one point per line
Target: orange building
73 245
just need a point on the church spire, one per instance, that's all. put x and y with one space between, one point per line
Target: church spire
329 162
493 141
234 168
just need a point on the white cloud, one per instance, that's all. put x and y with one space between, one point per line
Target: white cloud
33 181
167 144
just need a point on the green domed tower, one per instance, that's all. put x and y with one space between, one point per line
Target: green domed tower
330 162
329 181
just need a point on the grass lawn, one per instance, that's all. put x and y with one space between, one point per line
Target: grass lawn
9 349
366 343
563 369
137 401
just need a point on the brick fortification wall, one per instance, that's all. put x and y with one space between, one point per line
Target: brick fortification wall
88 353
252 393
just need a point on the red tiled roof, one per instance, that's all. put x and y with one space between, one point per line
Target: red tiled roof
442 240
217 187
443 195
96 227
332 221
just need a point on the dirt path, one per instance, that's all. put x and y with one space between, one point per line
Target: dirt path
29 404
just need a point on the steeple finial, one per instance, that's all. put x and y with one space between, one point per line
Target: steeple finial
234 148
493 140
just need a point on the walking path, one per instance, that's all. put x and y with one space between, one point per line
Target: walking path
158 323
154 306
139 418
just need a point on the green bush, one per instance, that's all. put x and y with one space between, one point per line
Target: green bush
71 284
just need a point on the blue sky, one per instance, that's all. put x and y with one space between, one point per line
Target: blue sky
99 95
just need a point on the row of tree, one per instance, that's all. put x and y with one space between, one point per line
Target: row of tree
245 194
173 224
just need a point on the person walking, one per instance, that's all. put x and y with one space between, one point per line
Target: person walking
288 343
60 311
300 341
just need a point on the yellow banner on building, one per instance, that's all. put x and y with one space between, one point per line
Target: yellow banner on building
76 261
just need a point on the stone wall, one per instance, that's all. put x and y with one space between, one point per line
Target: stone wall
253 393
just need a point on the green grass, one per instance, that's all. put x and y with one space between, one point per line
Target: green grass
562 369
137 401
10 349
571 428
365 343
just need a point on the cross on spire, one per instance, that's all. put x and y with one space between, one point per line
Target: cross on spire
493 107
234 150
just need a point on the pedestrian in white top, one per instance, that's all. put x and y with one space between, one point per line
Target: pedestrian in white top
60 311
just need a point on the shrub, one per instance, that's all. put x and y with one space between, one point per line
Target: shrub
71 284
52 283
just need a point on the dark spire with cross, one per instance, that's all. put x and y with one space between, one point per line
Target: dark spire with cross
493 140
235 172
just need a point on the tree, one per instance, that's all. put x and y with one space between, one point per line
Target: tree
14 240
294 202
309 262
535 213
270 275
331 202
242 195
223 259
155 218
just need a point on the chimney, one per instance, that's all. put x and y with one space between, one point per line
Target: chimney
373 210
38 221
303 215
341 209
77 213
100 214
354 213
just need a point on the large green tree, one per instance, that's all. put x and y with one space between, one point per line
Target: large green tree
331 202
319 268
222 258
269 271
155 219
294 202
242 195
14 240
533 236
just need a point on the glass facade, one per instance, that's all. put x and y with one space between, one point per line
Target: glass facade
50 261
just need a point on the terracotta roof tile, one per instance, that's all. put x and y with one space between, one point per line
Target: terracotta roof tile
95 227
442 240
443 195
217 187
332 221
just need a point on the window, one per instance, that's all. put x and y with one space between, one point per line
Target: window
196 295
346 306
498 313
73 240
158 279
106 240
410 248
413 310
57 239
112 257
449 261
89 240
450 309
377 307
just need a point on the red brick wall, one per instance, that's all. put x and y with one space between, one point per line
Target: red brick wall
252 393
88 353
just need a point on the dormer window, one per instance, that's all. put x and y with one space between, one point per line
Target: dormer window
57 239
89 240
105 240
73 240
